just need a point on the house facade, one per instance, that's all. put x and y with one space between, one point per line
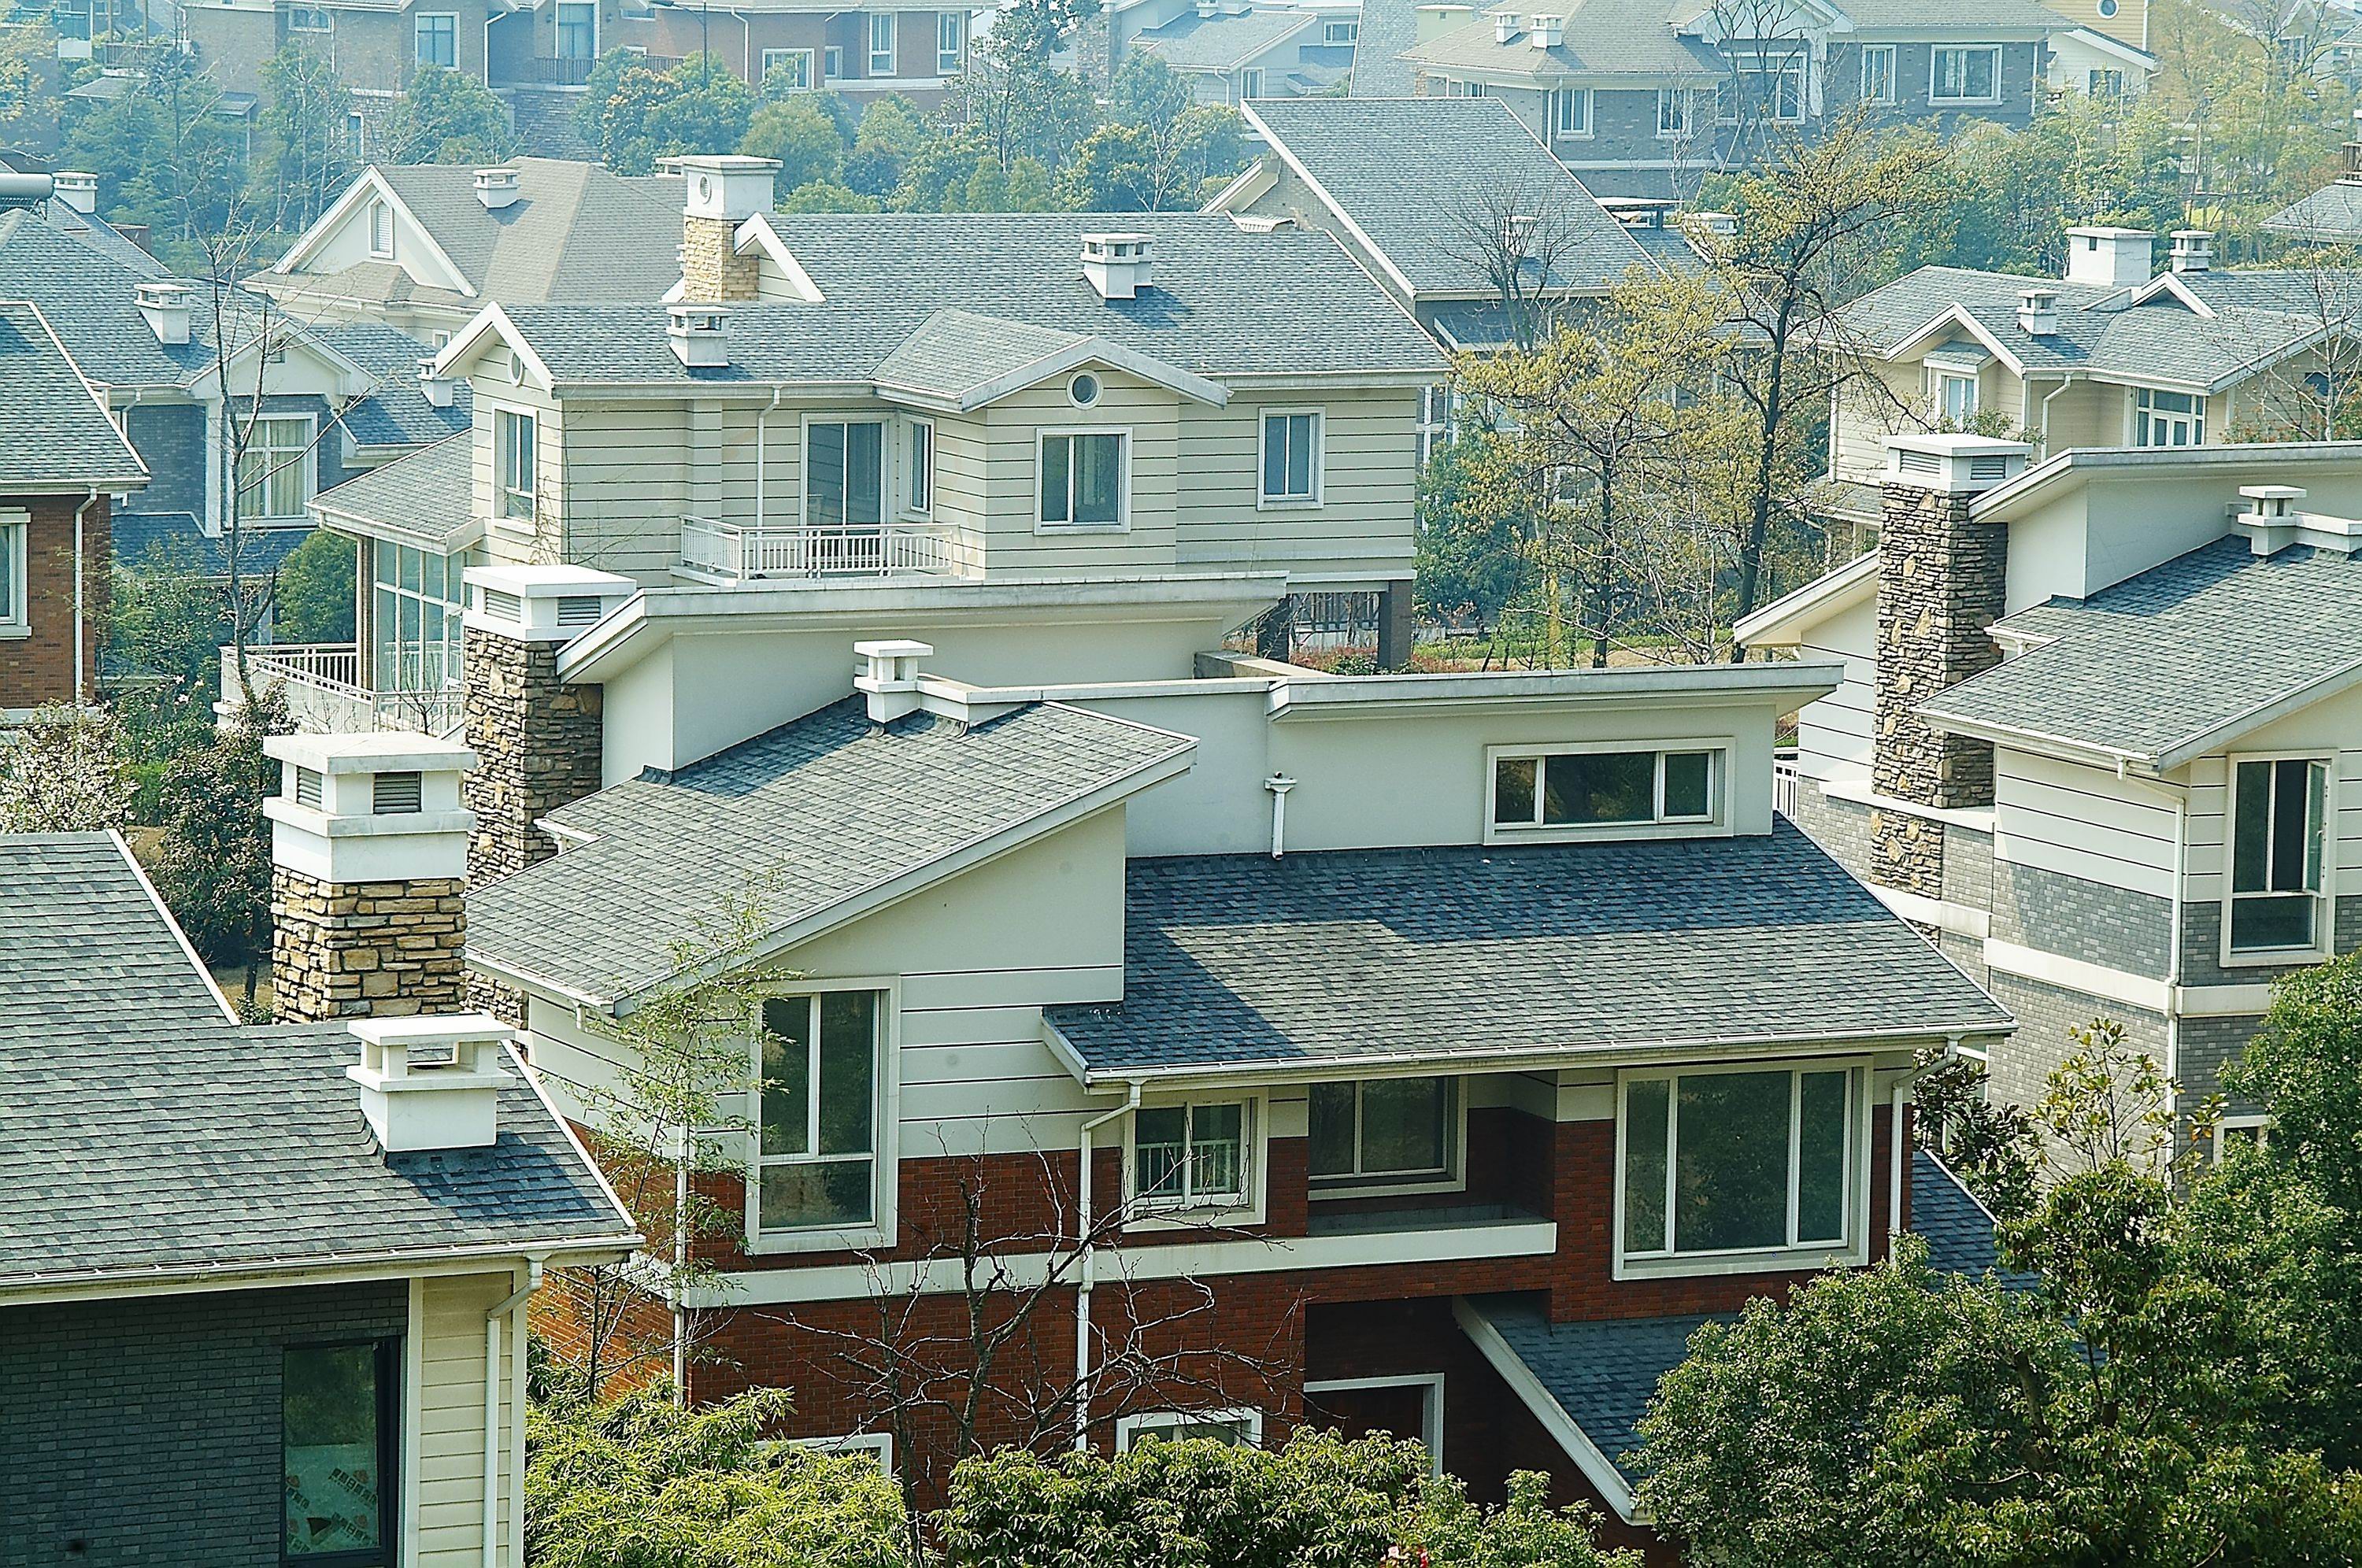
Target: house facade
2158 860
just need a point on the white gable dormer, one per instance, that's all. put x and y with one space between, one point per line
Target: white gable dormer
371 223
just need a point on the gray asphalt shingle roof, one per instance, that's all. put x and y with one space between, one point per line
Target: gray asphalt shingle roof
395 412
1469 952
2206 640
575 232
1222 42
140 1131
173 541
1224 302
88 298
1393 165
1602 1374
54 430
803 819
428 492
956 351
1389 27
1959 1233
2331 216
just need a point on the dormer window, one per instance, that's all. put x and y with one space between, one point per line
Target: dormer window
381 231
1545 792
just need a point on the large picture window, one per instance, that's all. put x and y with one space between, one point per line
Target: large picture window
1970 75
1191 1156
274 471
1764 90
512 443
816 1165
2168 419
2278 809
1384 1132
415 597
845 472
794 66
1082 478
1538 788
1728 1163
438 38
336 1451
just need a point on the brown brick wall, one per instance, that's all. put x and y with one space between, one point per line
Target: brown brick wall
38 669
366 949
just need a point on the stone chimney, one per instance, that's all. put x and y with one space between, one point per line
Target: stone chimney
164 305
432 1083
369 842
497 188
2192 249
1941 583
76 189
1117 265
725 191
2109 258
539 739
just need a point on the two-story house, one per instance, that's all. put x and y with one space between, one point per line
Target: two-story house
276 1312
2098 731
1232 50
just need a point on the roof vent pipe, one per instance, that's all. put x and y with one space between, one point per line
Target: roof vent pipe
700 335
1117 265
888 675
431 1083
1549 32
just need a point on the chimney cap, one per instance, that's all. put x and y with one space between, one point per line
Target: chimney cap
162 291
1954 462
425 1082
2110 231
373 751
551 601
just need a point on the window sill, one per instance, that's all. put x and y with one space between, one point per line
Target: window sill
786 1243
14 631
1082 527
1288 503
1604 832
2256 958
1229 1217
1782 1260
1963 103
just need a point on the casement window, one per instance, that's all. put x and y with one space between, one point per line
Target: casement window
794 68
1083 482
513 454
1672 112
1965 74
882 43
1291 458
1192 1156
1878 74
438 38
380 230
1338 34
1952 396
845 472
16 613
1725 1163
816 1159
1231 1428
337 1407
1571 112
274 471
951 42
2278 812
919 467
2168 419
415 600
577 31
832 63
2250 1132
1763 88
1384 1132
309 19
1541 788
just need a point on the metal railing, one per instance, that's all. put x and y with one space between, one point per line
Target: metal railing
738 552
324 696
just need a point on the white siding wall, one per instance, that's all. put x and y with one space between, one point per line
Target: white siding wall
2332 729
1833 735
1362 530
1017 542
450 1441
2082 821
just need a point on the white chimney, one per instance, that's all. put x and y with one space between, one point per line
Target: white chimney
2109 258
700 335
164 302
2193 250
1505 27
1517 233
431 1083
496 188
1953 463
76 189
544 603
2037 312
436 388
1549 32
888 675
728 186
1117 265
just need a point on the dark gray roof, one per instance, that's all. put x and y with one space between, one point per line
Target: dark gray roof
2331 216
54 430
575 232
88 299
1959 1233
1222 42
2209 639
956 351
101 237
1602 1374
806 819
142 1131
1468 952
428 492
1389 27
1393 165
1224 302
173 541
394 412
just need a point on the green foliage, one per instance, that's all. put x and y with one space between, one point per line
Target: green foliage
639 1483
308 167
1987 1143
65 769
1471 565
445 116
215 871
822 197
162 154
315 599
1011 99
25 53
1113 170
1197 1504
636 114
804 139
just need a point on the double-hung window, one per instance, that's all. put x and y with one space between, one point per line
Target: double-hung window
1672 112
951 42
1878 74
1571 112
578 29
2168 419
1538 788
1765 89
1953 395
1082 478
844 473
2278 808
1193 1156
274 471
1731 1163
1291 458
336 1447
1965 74
882 43
1384 1132
513 454
919 476
15 618
816 1164
309 19
1339 34
438 38
794 69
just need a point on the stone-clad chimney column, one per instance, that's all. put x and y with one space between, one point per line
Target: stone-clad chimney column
1942 577
369 844
725 191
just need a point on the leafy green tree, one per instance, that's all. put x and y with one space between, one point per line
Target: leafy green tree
803 138
314 598
1113 170
445 116
1190 146
215 871
890 132
822 197
1011 98
161 153
66 770
27 53
309 166
637 115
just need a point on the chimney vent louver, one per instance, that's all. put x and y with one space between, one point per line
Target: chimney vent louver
496 188
77 189
1117 265
2192 249
1549 32
889 676
436 388
431 1083
2037 312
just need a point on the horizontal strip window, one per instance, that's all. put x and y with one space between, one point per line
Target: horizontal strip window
1384 1132
1602 789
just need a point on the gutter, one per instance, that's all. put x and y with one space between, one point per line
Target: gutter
356 1266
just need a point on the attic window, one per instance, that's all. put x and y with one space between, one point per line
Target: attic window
395 793
381 231
1084 389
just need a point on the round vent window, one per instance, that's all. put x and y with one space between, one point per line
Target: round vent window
2107 8
1084 389
705 182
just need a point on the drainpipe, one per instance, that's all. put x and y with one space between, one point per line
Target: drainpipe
762 450
2064 383
1895 1151
1087 1273
1279 784
80 614
513 1302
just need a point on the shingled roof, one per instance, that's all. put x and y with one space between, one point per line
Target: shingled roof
422 499
2331 216
1244 964
145 1137
55 432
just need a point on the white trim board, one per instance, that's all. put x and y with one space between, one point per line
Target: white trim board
1595 1464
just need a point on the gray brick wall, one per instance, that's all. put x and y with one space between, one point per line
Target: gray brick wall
2206 1045
2045 1012
171 441
1840 827
2201 945
1968 866
147 1429
1965 951
2053 913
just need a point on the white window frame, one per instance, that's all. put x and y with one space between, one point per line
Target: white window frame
418 38
306 460
15 544
310 19
1678 124
557 31
508 424
775 58
1366 1184
886 1081
1941 378
1265 500
380 216
951 42
1183 1211
832 62
882 1444
2144 409
1765 65
1566 125
1042 438
1339 31
1852 1252
918 472
356 133
2324 915
1429 1384
2105 83
893 38
1885 55
884 469
2257 1122
1935 72
1714 824
1128 1426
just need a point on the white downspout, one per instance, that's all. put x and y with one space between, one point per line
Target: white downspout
1086 1272
2064 383
763 450
1279 784
494 1384
80 613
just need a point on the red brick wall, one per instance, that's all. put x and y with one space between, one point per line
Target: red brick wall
39 668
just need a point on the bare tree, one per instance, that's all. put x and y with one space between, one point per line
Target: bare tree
1517 234
2310 347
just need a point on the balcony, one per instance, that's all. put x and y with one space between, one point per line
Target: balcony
541 71
324 696
714 551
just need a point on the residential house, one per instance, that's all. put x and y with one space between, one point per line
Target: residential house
2097 731
1638 99
276 1312
62 463
2331 216
1232 50
2108 356
863 54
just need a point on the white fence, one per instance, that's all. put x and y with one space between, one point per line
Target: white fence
738 552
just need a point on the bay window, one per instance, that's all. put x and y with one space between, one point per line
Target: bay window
415 598
1193 1156
1543 787
845 472
1082 481
1728 1163
274 471
1388 1131
2279 810
1965 74
816 1155
337 1405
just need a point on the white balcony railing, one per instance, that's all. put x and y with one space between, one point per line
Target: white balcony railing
1783 781
738 552
325 695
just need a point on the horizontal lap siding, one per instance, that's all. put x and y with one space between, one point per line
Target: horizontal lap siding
626 482
1867 415
1833 733
1365 523
450 1438
1012 427
2081 822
